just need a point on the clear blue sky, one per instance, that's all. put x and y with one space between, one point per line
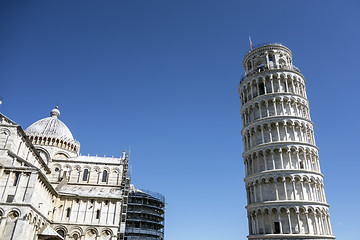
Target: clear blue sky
161 78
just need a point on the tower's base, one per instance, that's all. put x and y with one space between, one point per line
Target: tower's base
289 237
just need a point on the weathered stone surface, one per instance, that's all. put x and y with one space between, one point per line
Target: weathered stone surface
284 184
46 187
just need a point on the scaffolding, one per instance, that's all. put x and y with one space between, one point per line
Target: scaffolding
145 216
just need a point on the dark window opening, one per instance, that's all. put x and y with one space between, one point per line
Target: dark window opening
104 176
261 68
261 88
85 175
97 214
10 198
17 175
277 227
301 165
61 233
68 212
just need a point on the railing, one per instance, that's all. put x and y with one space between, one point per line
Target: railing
264 44
144 231
154 195
157 223
296 69
146 204
265 68
141 210
242 78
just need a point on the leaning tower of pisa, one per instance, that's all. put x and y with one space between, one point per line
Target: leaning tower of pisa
284 184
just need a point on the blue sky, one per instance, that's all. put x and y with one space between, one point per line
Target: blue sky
161 78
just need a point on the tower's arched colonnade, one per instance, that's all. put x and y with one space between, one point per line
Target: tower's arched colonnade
284 184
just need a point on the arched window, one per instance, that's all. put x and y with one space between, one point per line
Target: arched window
10 223
85 175
282 63
61 232
104 176
106 234
91 234
75 236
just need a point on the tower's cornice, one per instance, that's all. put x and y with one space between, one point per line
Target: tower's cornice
272 95
278 119
282 172
265 47
270 71
278 144
285 203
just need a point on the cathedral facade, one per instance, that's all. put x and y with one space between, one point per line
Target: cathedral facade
48 190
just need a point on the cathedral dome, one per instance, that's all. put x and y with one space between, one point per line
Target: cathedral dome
52 131
51 127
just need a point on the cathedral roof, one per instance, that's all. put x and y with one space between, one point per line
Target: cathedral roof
91 191
51 127
51 131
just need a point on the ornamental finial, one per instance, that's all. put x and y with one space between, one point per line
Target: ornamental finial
55 112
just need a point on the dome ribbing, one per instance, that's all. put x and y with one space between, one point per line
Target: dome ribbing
52 128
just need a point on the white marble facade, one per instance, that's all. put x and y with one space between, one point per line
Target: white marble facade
49 191
284 183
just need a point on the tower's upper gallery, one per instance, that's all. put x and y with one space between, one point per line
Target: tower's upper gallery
267 56
52 131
